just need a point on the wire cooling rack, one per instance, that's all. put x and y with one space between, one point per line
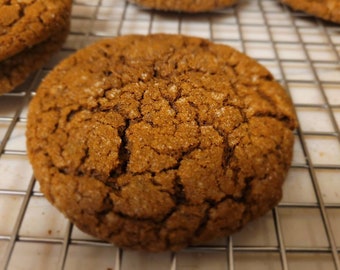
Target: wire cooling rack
303 232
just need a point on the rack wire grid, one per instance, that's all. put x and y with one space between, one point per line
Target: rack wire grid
302 232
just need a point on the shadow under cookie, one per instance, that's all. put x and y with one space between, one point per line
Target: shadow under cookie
189 6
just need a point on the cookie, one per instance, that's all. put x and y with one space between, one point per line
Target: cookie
16 69
24 23
190 6
326 9
162 141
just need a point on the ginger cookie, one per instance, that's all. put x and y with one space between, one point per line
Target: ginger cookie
326 9
24 23
162 141
190 6
16 69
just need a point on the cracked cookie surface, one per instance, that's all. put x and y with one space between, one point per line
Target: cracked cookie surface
190 6
162 141
326 9
25 23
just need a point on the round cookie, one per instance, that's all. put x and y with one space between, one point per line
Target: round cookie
161 141
190 6
16 69
24 23
326 9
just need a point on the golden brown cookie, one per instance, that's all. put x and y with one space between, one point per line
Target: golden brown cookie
24 23
162 141
326 9
16 69
190 6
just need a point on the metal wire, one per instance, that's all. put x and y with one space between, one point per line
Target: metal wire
260 28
